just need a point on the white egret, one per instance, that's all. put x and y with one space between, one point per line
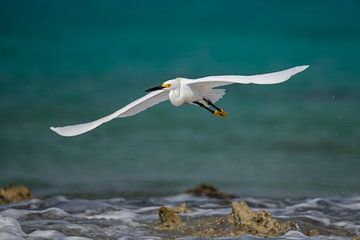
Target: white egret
202 92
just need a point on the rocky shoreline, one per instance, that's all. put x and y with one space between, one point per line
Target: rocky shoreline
242 220
177 220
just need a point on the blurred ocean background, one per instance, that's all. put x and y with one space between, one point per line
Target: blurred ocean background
65 62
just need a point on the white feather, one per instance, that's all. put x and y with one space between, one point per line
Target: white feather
268 78
215 95
133 108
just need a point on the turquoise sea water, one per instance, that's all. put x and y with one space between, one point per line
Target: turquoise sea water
66 62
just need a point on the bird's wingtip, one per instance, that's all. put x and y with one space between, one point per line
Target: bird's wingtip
303 67
299 69
56 130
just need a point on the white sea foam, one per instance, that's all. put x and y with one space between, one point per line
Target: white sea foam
14 213
10 229
183 198
18 213
123 215
54 235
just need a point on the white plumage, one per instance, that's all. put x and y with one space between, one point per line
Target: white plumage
182 91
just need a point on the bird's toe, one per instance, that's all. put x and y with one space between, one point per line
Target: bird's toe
220 113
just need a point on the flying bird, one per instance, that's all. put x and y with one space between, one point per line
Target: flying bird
203 92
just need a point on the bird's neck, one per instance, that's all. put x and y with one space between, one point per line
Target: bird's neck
176 92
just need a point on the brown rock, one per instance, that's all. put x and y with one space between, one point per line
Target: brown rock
259 223
313 233
240 213
205 190
241 221
14 194
168 218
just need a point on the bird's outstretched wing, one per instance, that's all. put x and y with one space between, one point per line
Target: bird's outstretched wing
131 109
268 78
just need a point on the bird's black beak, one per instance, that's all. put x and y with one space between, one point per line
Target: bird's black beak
154 89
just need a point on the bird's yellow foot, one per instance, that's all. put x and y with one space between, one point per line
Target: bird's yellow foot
220 113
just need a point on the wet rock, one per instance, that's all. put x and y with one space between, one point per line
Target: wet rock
168 218
240 213
242 220
13 193
205 190
313 233
259 223
355 238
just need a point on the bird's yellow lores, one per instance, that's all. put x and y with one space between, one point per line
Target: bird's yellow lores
166 85
202 92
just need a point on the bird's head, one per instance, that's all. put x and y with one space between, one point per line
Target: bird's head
169 85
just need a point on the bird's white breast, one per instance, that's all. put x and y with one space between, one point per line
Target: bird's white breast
183 94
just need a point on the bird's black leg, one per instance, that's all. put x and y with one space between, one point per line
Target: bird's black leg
211 104
219 111
203 106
